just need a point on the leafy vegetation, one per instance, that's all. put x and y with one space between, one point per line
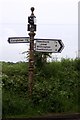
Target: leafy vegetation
56 88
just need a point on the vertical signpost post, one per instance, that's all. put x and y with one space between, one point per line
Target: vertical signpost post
31 28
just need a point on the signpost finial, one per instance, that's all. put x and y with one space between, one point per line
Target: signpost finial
32 9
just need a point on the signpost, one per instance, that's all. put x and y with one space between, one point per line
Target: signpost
19 40
31 28
49 45
41 45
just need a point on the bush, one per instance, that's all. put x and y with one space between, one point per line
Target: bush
56 88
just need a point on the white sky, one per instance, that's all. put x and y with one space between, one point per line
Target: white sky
55 19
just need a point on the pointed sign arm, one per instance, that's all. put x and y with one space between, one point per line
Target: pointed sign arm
61 46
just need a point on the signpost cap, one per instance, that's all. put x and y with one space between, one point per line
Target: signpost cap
32 9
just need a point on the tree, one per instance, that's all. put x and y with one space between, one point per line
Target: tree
41 59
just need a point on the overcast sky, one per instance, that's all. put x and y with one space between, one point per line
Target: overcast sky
55 19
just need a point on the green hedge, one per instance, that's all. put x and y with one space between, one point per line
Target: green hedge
56 88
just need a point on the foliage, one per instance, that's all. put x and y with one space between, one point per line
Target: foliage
56 88
41 59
